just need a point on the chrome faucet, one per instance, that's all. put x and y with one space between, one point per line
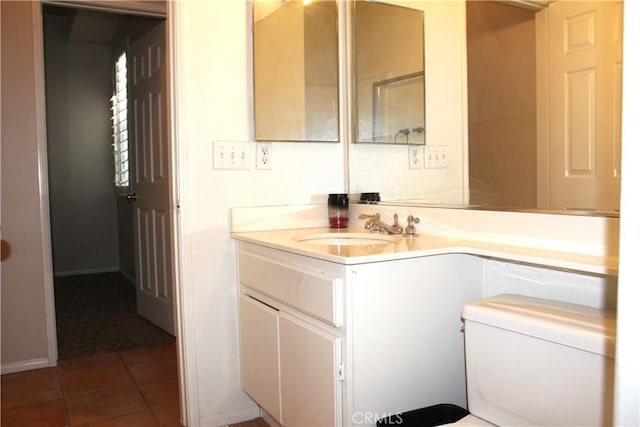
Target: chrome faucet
373 223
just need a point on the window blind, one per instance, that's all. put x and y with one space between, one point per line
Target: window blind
119 120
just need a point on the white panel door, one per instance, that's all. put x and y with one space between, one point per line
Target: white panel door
151 179
585 87
310 388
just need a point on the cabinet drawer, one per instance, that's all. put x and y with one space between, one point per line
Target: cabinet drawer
312 292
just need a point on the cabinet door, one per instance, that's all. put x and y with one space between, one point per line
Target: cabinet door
309 360
259 354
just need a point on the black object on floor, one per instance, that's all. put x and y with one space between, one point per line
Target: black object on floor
431 416
96 313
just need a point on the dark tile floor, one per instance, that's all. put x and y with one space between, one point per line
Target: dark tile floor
129 388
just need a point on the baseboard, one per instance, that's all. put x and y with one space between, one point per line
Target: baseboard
267 418
230 417
85 271
24 365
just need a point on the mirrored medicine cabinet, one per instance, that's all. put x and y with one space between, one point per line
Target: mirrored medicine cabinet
295 70
295 67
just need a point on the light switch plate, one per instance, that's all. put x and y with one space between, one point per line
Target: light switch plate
231 155
436 157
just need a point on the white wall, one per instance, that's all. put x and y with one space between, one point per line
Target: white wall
627 393
213 86
592 290
83 199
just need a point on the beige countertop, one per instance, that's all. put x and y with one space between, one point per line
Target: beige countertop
424 245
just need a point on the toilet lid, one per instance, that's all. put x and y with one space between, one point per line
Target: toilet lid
577 326
470 421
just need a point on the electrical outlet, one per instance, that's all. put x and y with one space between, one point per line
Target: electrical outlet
415 156
436 157
231 155
264 155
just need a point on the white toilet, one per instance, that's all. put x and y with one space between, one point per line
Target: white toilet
537 362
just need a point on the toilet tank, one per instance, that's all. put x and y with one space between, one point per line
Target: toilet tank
537 362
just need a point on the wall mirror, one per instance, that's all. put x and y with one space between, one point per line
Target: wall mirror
388 73
295 70
524 97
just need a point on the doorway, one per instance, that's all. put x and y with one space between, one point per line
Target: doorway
92 225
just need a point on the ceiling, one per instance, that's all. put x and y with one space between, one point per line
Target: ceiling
87 25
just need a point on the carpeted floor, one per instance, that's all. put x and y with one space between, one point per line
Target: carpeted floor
96 313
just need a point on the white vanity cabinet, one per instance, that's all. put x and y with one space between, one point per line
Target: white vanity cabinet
290 313
324 343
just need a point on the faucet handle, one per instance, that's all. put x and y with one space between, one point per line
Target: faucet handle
410 231
366 216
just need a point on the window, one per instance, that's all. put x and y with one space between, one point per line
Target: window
119 119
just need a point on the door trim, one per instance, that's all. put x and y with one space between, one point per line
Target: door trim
43 182
183 299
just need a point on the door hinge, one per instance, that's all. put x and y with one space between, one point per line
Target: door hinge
341 372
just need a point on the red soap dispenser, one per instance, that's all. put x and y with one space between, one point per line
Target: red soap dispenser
338 209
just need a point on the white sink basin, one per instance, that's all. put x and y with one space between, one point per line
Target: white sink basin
346 239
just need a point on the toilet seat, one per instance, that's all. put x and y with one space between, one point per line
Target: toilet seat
470 421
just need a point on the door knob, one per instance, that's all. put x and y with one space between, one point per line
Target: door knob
132 197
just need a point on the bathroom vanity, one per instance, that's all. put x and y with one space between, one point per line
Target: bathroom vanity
325 343
343 327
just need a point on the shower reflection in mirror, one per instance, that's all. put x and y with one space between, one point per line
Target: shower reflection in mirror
389 73
398 110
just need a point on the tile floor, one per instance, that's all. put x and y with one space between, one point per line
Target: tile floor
257 422
128 388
